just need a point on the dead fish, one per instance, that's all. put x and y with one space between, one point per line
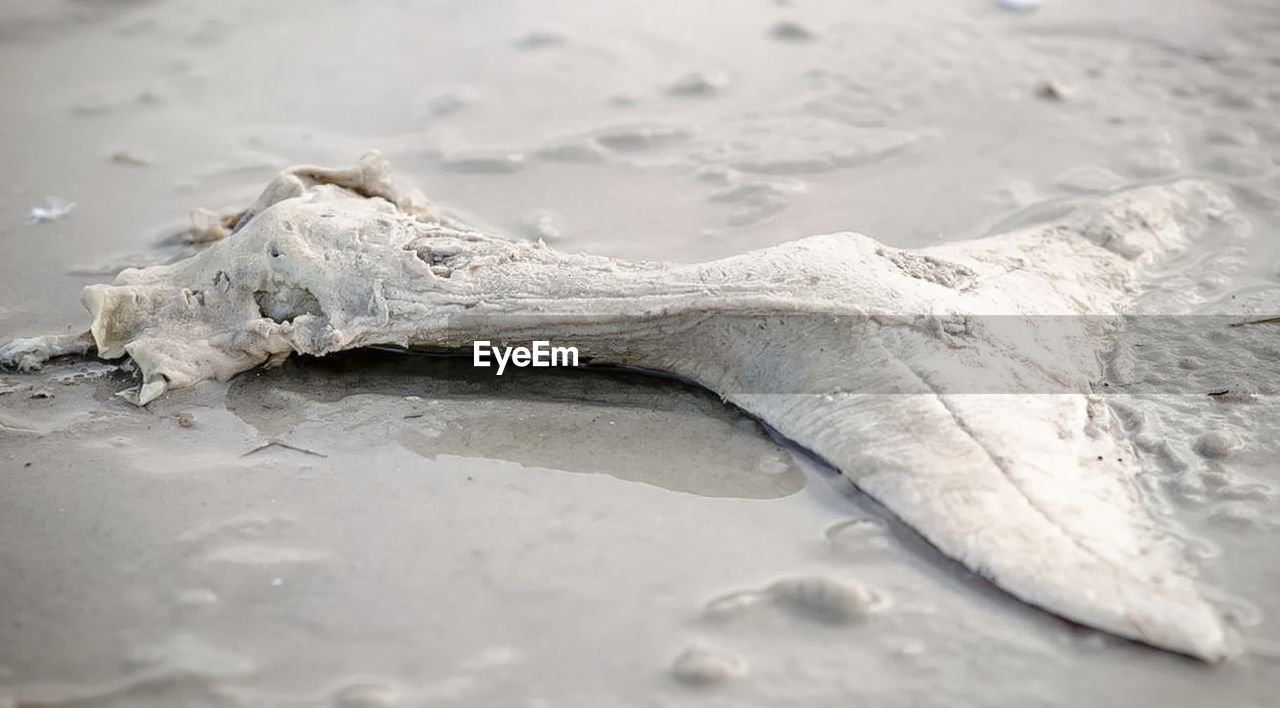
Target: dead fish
1032 490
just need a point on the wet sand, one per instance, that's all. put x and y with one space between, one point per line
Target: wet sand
379 529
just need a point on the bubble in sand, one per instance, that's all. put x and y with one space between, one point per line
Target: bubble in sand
857 537
826 600
1216 444
701 665
577 149
542 38
1233 135
1090 180
700 83
731 605
636 138
787 144
366 695
757 200
448 101
1237 100
483 162
196 598
791 31
263 555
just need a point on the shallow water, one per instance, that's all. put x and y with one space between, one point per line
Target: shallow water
394 530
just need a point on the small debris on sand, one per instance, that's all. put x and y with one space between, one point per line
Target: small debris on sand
124 157
1053 91
210 226
1267 320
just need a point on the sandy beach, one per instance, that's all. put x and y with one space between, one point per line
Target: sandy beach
384 529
